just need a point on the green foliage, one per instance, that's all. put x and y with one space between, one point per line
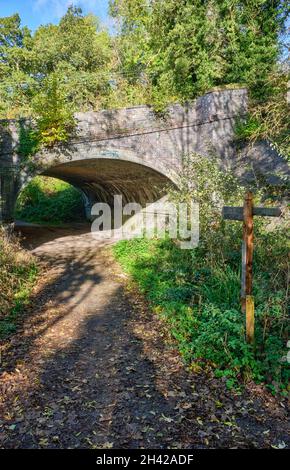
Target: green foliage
164 51
185 48
53 73
269 116
76 52
18 273
247 127
29 141
48 200
202 181
14 46
198 291
201 305
55 121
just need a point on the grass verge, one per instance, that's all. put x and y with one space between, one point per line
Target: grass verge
197 292
18 273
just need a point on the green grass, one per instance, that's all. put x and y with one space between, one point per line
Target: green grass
21 299
18 274
49 201
198 295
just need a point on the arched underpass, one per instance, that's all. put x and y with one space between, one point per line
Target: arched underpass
101 179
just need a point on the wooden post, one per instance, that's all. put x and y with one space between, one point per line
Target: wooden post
249 240
248 245
247 276
250 319
246 214
243 276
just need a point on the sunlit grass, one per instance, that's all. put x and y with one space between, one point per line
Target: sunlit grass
49 201
18 273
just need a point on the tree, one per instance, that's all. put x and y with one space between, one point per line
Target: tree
15 81
53 111
76 51
188 47
79 52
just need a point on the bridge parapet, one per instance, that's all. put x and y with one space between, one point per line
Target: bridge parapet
134 150
213 106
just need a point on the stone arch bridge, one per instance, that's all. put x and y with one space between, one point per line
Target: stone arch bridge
134 151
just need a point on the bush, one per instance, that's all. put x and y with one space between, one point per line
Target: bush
268 117
48 200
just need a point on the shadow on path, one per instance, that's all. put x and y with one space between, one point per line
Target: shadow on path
91 368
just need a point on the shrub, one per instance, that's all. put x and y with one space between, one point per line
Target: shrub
48 200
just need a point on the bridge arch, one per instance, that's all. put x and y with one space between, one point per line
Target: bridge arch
139 143
100 179
104 175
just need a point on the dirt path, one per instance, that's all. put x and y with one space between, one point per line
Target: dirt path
91 367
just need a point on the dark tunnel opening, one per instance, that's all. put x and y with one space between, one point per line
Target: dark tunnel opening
101 179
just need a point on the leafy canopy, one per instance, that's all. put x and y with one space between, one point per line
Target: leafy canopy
58 70
164 51
178 50
190 46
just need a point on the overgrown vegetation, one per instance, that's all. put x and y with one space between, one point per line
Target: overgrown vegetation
50 201
180 50
18 273
163 51
198 291
268 117
185 48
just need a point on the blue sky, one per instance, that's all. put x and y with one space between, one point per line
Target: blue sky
36 12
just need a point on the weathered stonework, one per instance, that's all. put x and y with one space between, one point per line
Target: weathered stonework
136 153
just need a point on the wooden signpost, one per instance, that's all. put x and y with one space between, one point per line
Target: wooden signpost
246 214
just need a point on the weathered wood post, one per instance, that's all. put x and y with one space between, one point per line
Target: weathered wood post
247 299
246 214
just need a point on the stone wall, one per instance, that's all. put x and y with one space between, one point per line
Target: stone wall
136 152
